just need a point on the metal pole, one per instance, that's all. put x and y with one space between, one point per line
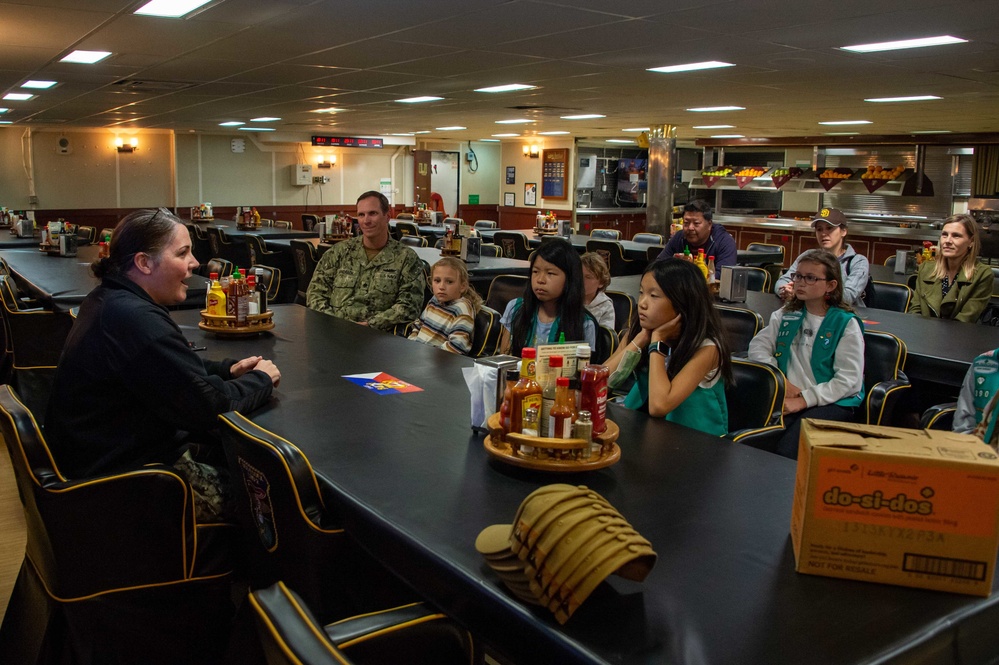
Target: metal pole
661 176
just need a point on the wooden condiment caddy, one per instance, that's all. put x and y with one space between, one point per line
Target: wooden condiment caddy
548 454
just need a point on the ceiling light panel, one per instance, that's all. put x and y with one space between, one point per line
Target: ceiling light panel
170 8
86 57
914 98
712 109
38 85
419 100
509 87
690 67
922 42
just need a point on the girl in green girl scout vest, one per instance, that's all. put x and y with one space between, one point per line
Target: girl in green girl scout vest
977 411
817 341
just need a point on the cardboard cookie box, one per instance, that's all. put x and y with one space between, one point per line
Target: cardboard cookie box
900 506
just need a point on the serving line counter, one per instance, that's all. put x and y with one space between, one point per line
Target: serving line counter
939 351
415 487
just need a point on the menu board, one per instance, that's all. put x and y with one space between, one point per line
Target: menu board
346 142
555 174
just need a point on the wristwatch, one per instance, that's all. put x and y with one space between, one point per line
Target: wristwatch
659 347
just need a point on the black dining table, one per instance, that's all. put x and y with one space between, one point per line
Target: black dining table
638 251
265 232
9 241
62 282
415 487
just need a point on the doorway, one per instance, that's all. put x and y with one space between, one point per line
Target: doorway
445 168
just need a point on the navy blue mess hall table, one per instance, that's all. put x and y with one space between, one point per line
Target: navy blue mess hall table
265 232
62 282
416 487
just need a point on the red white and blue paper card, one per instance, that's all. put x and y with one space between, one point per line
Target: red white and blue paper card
382 383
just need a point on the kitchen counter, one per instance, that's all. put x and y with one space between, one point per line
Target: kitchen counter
857 227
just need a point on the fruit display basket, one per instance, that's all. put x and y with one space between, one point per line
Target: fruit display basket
875 177
545 454
748 174
712 175
226 325
783 175
832 177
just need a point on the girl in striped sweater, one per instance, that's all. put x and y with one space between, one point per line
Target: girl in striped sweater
449 318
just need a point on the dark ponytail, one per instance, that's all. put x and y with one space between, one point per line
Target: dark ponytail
146 231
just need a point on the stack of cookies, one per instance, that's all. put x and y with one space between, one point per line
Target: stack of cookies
563 543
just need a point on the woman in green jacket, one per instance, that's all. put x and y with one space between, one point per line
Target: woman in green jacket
955 286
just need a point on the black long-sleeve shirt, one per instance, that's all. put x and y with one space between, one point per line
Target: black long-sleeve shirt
129 387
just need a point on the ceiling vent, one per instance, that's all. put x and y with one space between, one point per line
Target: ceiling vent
146 85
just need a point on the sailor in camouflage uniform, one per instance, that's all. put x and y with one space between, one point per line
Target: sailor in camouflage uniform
372 279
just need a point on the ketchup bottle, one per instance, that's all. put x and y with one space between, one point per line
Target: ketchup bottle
593 395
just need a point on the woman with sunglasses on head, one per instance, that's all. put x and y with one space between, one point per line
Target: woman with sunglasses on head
955 286
129 390
817 341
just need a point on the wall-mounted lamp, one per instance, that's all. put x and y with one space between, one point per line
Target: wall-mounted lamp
532 151
327 162
121 146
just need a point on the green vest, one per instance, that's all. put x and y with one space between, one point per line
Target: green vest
705 409
986 384
823 351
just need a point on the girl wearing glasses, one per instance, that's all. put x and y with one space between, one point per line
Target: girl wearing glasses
817 341
955 286
676 351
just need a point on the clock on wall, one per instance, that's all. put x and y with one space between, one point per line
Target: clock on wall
238 145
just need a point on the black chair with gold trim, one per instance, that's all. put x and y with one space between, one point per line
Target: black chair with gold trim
890 296
486 332
513 245
416 241
757 279
755 404
87 234
489 249
652 253
271 279
624 310
939 416
606 344
231 248
485 224
407 228
649 238
740 326
281 224
200 246
606 234
884 380
612 252
505 288
36 337
413 634
283 262
116 568
309 222
291 532
306 259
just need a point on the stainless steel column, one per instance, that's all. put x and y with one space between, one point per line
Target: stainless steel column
661 175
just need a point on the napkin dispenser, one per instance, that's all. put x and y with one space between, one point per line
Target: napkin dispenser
501 364
732 287
471 249
902 261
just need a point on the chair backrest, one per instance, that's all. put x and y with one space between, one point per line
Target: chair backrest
606 345
939 416
454 220
106 232
757 279
485 224
309 222
650 238
608 234
505 288
624 309
288 532
407 228
612 252
890 262
513 244
36 338
304 253
271 278
87 234
281 224
200 246
288 631
217 265
767 247
489 249
755 400
652 253
486 332
890 296
406 215
884 360
415 241
740 325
